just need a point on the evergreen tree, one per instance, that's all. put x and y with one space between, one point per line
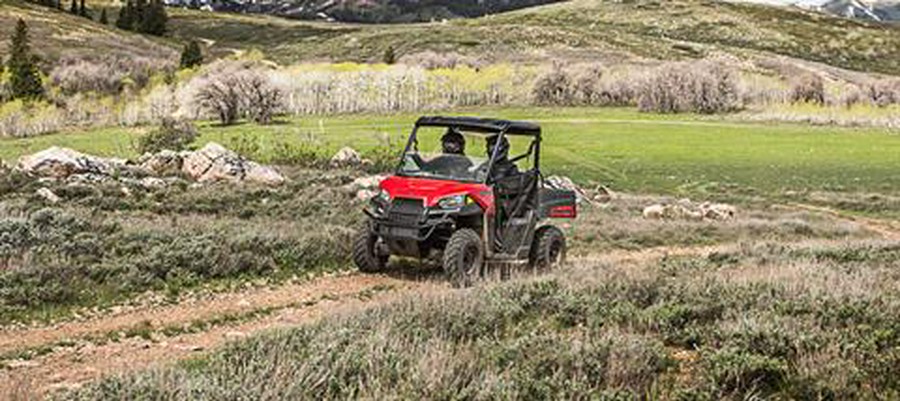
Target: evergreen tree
390 57
153 20
191 56
126 17
73 9
25 80
83 11
137 14
103 18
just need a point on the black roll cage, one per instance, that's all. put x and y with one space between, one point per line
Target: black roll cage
487 126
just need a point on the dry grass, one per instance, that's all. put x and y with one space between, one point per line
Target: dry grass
751 321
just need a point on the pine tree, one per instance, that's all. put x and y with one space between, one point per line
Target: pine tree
390 57
191 56
103 18
126 17
153 19
83 11
25 80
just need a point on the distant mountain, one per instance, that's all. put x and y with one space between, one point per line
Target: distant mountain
365 11
880 11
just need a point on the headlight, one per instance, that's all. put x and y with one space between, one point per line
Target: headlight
452 202
383 196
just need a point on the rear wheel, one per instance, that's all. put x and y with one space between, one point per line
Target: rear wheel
464 258
364 255
549 248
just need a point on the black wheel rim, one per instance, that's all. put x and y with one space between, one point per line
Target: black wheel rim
470 255
554 252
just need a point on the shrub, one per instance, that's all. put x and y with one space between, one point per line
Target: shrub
553 88
699 87
191 55
586 85
78 76
261 100
808 89
884 92
172 134
237 93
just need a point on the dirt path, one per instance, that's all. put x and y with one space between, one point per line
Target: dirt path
888 229
72 353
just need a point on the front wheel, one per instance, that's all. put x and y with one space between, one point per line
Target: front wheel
548 249
364 255
464 258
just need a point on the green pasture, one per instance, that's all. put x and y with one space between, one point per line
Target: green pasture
620 148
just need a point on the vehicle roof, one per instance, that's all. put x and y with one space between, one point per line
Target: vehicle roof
485 125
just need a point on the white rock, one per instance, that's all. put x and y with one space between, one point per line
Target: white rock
346 157
62 162
48 195
214 163
654 212
256 172
566 183
165 162
717 211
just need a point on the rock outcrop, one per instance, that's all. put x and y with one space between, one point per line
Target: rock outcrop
686 210
212 163
60 162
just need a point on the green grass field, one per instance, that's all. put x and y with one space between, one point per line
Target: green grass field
621 148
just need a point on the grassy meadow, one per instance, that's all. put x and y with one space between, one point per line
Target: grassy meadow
623 149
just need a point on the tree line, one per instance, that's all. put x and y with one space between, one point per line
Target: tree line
141 16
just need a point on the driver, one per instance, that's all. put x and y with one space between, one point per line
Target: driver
453 160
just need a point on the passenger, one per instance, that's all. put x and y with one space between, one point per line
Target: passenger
502 167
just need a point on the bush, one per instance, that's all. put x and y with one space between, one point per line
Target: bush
79 76
172 134
240 93
699 87
808 89
884 92
554 88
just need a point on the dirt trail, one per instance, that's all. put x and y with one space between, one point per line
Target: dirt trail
888 229
75 352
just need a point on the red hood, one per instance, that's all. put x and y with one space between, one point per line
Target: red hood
431 191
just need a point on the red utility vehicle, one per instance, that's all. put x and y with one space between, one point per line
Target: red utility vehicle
472 211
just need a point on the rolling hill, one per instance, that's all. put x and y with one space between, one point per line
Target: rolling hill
55 33
577 29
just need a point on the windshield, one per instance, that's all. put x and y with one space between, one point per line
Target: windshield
443 166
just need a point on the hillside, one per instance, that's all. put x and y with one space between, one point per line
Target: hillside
579 29
373 11
55 33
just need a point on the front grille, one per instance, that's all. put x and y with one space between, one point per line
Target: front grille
406 211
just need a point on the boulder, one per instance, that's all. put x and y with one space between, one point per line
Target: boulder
654 212
364 188
256 172
166 162
684 209
346 157
717 211
62 162
48 195
214 163
566 183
